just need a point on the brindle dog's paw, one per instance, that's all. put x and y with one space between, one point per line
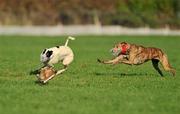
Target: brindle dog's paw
100 61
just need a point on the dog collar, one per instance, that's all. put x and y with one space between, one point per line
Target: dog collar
123 49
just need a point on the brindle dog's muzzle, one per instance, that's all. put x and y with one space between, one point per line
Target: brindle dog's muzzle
115 53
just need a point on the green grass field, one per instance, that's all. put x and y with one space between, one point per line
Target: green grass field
87 87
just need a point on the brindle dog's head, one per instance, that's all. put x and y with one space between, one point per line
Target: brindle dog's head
119 48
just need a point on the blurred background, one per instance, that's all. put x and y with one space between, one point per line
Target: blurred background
151 14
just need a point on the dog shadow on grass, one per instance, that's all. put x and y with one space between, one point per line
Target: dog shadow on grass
121 74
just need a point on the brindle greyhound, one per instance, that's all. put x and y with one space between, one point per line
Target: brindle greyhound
133 54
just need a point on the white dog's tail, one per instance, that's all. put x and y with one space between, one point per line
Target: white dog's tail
69 38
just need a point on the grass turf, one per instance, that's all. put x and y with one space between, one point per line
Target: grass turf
87 87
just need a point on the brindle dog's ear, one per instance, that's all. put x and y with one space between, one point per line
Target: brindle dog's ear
126 44
123 43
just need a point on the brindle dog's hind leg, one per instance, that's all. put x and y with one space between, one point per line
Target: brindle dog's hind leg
167 66
155 65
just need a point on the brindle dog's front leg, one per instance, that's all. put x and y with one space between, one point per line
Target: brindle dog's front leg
126 62
113 61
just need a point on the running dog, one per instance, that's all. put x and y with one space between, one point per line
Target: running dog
133 54
58 54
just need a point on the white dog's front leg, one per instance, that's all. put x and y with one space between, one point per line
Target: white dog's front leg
62 70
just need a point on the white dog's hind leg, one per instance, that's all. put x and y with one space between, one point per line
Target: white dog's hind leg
66 62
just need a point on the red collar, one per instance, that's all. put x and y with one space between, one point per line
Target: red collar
124 49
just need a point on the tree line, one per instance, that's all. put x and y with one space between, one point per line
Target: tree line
130 13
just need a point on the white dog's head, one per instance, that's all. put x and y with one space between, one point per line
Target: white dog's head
53 55
46 55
